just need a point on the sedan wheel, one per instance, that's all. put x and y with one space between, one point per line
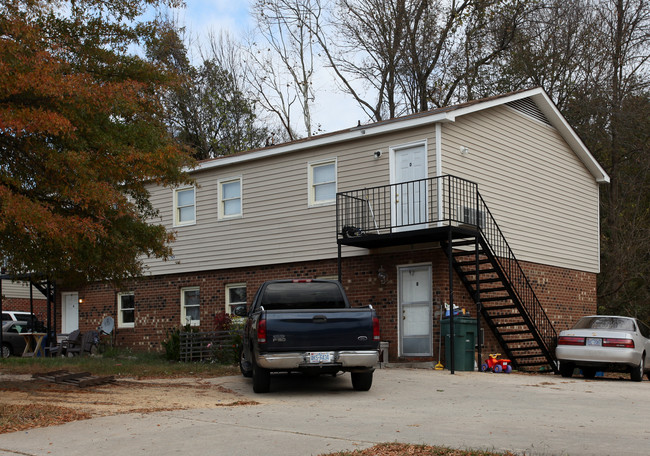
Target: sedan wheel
637 372
6 351
566 369
589 372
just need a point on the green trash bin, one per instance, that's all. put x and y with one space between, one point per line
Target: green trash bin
464 342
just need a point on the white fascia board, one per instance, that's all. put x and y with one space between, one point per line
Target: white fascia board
343 136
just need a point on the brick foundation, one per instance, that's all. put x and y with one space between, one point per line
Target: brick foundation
565 294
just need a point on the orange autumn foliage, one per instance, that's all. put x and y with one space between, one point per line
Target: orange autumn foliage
81 137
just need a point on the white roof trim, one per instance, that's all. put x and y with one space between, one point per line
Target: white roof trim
538 95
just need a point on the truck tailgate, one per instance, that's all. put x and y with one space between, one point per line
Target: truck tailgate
320 330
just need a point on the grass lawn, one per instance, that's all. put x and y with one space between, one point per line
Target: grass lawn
119 364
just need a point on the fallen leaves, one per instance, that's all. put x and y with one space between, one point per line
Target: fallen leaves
405 449
20 417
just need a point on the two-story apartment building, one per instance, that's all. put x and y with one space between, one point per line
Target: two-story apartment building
492 205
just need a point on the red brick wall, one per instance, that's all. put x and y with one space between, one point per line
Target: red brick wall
22 304
566 295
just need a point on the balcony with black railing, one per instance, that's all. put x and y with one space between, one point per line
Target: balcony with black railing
406 212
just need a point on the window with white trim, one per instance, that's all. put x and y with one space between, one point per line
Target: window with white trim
230 198
184 206
322 182
126 310
190 306
235 296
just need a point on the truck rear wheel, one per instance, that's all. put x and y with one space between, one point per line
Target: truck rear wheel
261 379
361 381
244 365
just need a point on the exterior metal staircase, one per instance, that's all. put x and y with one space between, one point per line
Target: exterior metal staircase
494 278
450 210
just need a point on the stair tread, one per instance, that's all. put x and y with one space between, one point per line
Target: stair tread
536 347
535 363
492 290
511 315
496 308
482 271
464 242
496 298
512 333
510 323
519 341
490 280
530 356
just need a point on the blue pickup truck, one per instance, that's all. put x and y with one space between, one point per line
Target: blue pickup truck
308 326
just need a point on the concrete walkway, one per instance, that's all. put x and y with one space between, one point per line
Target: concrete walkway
531 414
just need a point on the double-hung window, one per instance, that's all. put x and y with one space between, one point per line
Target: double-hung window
184 206
190 306
230 198
126 310
322 182
235 296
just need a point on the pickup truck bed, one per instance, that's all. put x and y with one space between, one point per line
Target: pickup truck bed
308 326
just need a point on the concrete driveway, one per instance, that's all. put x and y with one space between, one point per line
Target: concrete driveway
531 414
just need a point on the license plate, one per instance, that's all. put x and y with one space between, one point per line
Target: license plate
320 357
594 341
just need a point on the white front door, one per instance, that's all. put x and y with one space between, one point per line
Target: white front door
409 198
414 309
70 312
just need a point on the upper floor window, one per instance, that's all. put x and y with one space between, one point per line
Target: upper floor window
184 206
230 198
190 306
126 310
322 182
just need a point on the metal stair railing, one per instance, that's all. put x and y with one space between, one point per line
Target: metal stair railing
496 242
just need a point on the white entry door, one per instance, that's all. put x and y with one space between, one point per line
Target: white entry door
415 306
409 198
70 312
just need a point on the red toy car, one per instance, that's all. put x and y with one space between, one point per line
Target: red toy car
496 365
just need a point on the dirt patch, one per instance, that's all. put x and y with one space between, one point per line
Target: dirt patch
122 396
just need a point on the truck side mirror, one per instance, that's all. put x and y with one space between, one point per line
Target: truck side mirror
240 311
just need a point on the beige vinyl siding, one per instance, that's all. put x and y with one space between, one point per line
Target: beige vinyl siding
277 226
540 193
18 290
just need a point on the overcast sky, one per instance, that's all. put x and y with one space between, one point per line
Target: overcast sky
333 110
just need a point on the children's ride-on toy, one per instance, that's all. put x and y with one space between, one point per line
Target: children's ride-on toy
496 365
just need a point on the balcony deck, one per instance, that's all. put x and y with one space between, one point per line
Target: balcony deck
392 238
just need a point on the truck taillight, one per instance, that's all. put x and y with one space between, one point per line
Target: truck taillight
622 343
570 340
261 331
375 329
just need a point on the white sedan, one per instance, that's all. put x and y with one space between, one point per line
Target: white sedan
605 343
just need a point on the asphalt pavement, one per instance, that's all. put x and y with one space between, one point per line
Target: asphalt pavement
525 414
